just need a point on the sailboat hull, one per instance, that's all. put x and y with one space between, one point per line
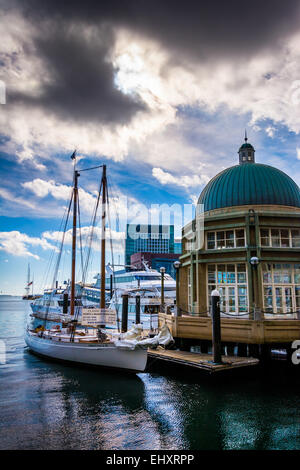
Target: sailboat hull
88 354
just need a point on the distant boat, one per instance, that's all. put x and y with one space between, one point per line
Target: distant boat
28 295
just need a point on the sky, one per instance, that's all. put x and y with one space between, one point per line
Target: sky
160 91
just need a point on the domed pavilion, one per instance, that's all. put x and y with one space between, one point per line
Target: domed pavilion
245 243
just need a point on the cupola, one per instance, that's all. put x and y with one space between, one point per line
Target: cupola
246 152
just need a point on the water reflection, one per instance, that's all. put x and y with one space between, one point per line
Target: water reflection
45 405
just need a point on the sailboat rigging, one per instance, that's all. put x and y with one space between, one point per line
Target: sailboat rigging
89 344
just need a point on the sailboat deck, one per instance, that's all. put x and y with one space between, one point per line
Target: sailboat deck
66 338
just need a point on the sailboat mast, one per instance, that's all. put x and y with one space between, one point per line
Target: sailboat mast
102 286
75 197
27 289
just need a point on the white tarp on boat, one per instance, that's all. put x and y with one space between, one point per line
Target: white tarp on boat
132 339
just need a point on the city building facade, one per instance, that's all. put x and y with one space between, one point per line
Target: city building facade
148 238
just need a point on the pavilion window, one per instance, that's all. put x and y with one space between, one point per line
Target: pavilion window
275 237
225 239
267 273
221 278
295 235
231 274
280 238
229 239
285 240
231 282
220 240
211 274
297 297
297 273
211 240
240 237
281 287
264 236
268 298
231 299
241 274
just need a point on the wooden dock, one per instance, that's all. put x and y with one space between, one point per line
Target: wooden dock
201 361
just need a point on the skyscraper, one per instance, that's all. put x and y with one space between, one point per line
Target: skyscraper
149 239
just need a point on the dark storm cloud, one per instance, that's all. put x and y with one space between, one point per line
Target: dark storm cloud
198 27
82 80
195 31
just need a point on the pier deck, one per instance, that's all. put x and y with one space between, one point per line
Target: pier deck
201 361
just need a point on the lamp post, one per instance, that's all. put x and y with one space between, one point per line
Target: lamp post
162 288
177 266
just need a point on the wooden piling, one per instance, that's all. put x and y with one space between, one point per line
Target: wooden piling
216 327
124 313
65 302
137 309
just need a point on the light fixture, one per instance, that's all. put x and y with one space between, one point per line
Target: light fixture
162 270
254 260
176 264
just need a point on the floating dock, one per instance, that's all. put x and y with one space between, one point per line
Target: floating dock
200 361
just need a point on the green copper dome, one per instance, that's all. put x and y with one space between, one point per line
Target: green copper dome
250 184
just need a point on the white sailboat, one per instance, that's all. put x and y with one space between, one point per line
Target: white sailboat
28 295
87 345
90 352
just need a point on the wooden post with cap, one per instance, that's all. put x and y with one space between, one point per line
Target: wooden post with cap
124 312
137 309
216 326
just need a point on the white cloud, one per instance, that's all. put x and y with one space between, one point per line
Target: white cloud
185 181
17 243
120 205
86 232
42 188
298 153
270 130
5 194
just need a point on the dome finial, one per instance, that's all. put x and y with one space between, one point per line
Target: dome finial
246 152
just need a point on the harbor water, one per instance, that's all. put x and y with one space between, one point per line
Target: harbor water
46 405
